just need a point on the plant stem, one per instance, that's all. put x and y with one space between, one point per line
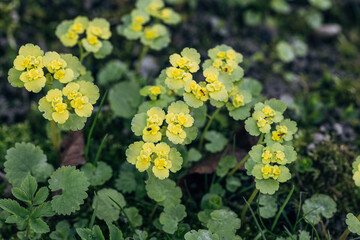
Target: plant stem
347 232
153 212
202 138
54 138
251 199
243 161
144 51
82 53
239 165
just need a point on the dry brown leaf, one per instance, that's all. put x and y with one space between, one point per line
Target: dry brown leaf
72 149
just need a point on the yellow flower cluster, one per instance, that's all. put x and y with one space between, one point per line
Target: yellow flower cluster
270 171
29 63
160 156
97 30
177 119
280 133
225 61
77 97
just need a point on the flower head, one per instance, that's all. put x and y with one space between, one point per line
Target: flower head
161 157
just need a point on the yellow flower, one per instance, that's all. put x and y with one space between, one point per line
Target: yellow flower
238 101
151 33
79 101
261 122
230 55
175 133
279 134
92 40
221 54
77 28
162 163
266 156
218 63
151 133
268 111
266 171
270 172
155 116
165 13
33 79
155 90
144 159
60 113
279 156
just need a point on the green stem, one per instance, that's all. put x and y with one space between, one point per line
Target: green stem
82 53
86 152
347 232
282 208
144 51
239 165
153 212
54 138
251 199
243 161
202 138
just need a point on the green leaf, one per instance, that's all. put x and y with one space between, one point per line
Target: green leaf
353 223
171 217
105 50
285 52
13 207
107 210
114 232
133 214
25 159
217 189
201 235
140 235
20 194
199 115
232 183
211 201
73 123
73 185
14 78
251 127
304 235
318 205
321 4
277 105
193 155
44 210
73 63
225 164
90 234
165 192
97 175
224 223
268 206
29 186
126 182
39 226
41 195
267 186
124 99
217 141
62 231
111 72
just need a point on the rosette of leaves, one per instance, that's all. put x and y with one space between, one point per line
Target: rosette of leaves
257 162
30 218
227 60
318 206
260 121
138 24
73 185
92 35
